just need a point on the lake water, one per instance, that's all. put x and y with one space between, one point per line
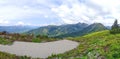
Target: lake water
40 50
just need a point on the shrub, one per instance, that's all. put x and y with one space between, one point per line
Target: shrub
36 40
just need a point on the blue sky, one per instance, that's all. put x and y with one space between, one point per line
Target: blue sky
57 12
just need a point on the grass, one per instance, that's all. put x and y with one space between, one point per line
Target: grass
36 40
5 41
4 55
95 45
10 38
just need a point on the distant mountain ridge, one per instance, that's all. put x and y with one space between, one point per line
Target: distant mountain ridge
53 31
69 30
16 29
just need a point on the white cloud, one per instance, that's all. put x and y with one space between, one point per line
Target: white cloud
3 1
93 11
68 21
69 11
110 6
107 3
14 12
100 19
20 9
3 22
78 12
20 23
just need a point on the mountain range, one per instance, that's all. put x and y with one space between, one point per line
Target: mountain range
16 29
68 30
89 29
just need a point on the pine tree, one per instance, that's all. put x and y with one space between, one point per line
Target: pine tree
115 25
115 28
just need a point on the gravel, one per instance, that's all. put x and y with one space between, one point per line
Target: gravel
39 50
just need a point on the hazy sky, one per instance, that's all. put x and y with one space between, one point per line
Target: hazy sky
45 12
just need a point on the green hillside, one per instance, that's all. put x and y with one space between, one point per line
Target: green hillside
98 45
69 30
53 30
89 29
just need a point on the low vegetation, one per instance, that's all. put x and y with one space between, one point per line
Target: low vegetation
41 38
7 38
4 55
5 41
101 45
98 45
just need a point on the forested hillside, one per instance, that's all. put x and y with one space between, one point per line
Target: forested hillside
53 30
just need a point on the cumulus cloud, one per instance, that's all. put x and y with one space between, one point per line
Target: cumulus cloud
78 12
4 22
14 12
21 23
63 11
104 11
107 3
110 7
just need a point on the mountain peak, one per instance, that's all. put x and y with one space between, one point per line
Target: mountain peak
89 29
97 24
81 23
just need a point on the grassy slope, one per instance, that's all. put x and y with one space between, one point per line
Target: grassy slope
96 45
